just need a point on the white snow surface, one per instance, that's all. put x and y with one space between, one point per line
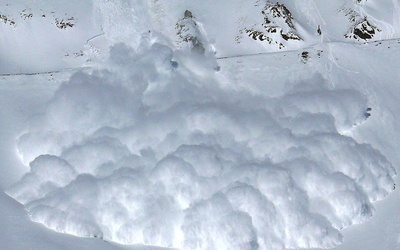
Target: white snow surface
159 145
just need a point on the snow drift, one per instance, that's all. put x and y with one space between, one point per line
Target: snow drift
152 148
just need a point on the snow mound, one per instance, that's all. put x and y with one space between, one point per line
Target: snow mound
153 149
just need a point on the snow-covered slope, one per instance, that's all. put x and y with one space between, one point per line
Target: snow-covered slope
49 35
187 133
44 35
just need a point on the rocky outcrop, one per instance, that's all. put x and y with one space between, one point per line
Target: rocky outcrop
278 26
188 32
28 15
362 30
7 20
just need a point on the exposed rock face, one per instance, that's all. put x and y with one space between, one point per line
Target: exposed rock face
7 20
278 26
27 15
362 30
64 24
275 24
188 32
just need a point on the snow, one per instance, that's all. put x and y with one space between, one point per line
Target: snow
36 44
164 146
22 97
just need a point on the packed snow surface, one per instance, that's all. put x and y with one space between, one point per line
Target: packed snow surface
158 145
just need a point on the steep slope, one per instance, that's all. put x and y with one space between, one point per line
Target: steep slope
192 135
64 36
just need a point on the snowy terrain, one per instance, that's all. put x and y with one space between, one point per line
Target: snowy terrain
212 125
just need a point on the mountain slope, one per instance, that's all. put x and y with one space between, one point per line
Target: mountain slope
194 135
65 36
